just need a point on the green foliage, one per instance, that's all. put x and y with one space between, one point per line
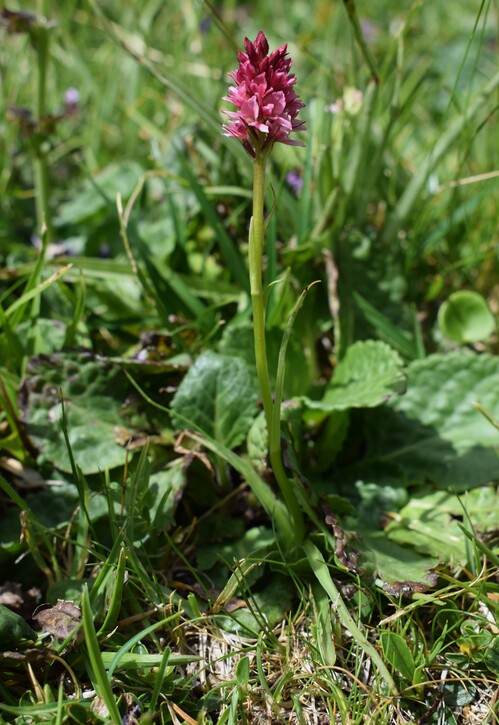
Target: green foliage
93 395
99 194
465 317
398 654
368 375
126 321
218 395
14 631
434 431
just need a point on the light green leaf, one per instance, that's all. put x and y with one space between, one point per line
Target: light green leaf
393 563
101 192
428 522
466 317
218 395
369 374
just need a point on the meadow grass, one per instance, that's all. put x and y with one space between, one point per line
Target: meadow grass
131 492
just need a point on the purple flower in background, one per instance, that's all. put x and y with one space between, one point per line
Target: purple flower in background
267 105
71 101
295 181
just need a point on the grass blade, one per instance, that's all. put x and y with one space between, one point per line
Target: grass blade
321 571
101 680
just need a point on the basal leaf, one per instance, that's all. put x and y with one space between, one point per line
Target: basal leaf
421 522
369 375
393 563
434 431
101 413
218 395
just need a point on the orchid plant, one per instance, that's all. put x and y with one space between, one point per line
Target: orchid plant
267 113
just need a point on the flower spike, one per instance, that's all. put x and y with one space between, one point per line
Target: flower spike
263 94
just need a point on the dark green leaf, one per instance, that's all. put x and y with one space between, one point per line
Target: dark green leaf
13 628
491 656
101 413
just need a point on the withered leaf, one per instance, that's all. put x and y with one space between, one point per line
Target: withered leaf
61 620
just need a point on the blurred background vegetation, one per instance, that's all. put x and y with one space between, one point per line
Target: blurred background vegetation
150 78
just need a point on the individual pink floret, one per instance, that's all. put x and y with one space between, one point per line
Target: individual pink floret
267 105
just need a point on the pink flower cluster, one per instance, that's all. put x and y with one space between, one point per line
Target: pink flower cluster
267 105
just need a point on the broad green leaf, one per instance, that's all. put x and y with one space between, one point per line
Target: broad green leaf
428 522
13 628
398 654
393 563
459 693
218 395
158 235
434 431
466 317
50 507
101 192
368 376
237 340
101 414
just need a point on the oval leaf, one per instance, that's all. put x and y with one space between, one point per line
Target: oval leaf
101 414
218 396
466 317
434 431
369 375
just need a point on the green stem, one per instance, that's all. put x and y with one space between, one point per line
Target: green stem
296 526
40 42
255 254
